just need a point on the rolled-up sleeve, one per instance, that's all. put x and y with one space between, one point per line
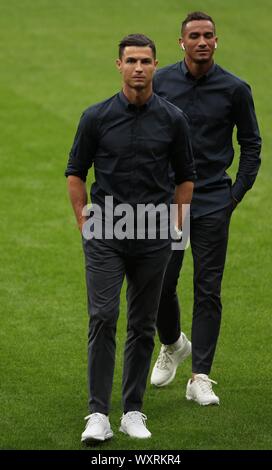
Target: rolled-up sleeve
181 154
84 147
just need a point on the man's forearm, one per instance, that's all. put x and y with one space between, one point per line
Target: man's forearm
183 195
249 165
78 196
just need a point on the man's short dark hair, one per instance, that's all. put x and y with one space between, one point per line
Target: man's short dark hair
196 16
138 40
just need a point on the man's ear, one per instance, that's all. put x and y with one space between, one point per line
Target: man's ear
181 44
118 63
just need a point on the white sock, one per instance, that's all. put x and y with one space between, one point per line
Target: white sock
178 343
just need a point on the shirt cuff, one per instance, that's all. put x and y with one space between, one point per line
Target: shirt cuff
75 173
238 191
189 177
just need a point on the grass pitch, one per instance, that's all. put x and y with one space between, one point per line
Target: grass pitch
57 57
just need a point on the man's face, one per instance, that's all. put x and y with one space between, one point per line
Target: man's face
199 41
137 66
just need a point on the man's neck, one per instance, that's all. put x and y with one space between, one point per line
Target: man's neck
137 97
198 70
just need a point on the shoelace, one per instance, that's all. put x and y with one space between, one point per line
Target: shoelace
164 357
93 418
205 384
136 417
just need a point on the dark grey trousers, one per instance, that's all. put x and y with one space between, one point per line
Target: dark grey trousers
106 267
209 240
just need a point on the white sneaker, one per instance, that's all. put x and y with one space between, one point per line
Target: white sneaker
200 390
97 428
133 424
164 370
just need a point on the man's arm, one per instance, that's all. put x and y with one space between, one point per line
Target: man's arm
78 196
183 195
80 160
184 168
249 139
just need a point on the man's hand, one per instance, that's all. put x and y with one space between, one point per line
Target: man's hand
82 222
234 203
78 196
183 195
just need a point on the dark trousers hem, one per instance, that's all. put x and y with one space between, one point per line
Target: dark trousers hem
98 409
129 408
201 370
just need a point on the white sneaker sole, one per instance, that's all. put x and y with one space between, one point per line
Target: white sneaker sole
190 398
124 431
86 440
185 354
168 381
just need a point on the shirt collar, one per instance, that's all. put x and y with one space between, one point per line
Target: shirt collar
133 107
187 73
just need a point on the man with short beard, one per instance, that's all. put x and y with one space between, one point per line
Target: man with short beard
131 139
215 102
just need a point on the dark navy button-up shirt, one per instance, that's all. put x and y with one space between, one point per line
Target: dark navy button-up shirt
132 149
215 104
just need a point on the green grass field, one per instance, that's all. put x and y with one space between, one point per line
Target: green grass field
57 57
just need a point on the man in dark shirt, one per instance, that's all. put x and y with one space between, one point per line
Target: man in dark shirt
215 101
132 139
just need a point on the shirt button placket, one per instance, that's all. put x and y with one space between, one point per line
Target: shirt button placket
134 151
192 105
